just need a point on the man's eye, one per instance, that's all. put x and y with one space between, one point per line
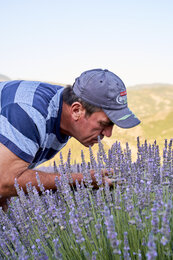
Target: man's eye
106 124
103 124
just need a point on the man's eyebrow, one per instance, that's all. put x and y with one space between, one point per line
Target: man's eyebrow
105 123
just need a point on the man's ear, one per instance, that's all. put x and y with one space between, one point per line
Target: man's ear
77 110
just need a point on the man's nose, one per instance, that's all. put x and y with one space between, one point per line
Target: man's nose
107 131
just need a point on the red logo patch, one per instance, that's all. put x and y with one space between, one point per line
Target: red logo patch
123 93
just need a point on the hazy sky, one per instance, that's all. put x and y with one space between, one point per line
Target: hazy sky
56 40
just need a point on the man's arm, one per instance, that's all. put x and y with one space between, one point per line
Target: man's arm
12 167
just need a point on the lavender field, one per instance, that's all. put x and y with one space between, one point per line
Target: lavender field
132 220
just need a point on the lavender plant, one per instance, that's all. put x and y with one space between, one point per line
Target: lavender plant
131 220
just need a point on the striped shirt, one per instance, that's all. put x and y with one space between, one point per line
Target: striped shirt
30 114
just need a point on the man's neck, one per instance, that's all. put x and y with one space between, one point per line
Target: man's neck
65 123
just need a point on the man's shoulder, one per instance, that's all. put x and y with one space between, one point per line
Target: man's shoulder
33 93
28 86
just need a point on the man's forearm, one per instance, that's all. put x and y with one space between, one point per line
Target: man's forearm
29 176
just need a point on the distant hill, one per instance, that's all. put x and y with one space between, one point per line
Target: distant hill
4 78
153 104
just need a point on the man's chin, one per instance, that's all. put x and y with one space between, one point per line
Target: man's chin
90 144
93 143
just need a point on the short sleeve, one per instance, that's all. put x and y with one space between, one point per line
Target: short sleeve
19 130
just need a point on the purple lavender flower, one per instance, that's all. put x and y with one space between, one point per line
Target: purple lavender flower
40 185
99 199
165 229
86 172
35 226
108 194
155 219
94 255
75 226
98 228
57 253
92 159
152 250
98 171
63 171
126 247
111 234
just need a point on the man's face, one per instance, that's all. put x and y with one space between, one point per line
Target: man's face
90 127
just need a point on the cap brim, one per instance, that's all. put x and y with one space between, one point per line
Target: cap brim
123 118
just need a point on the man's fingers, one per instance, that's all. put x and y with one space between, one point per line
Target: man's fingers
106 172
4 203
112 181
5 208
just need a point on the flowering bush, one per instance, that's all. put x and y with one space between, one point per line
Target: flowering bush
132 220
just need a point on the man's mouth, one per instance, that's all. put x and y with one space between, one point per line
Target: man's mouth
94 141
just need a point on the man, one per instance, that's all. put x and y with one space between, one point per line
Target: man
37 119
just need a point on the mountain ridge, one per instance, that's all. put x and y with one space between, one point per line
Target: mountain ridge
4 78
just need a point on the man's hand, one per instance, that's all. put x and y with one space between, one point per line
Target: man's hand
107 176
4 202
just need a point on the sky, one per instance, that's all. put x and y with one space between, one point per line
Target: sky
56 40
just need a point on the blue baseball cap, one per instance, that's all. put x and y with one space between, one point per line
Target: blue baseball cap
104 89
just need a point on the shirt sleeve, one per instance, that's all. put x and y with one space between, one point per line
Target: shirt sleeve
21 130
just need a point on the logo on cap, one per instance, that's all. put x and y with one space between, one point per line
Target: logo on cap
122 98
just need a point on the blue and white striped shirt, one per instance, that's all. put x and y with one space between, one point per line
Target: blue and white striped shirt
30 114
